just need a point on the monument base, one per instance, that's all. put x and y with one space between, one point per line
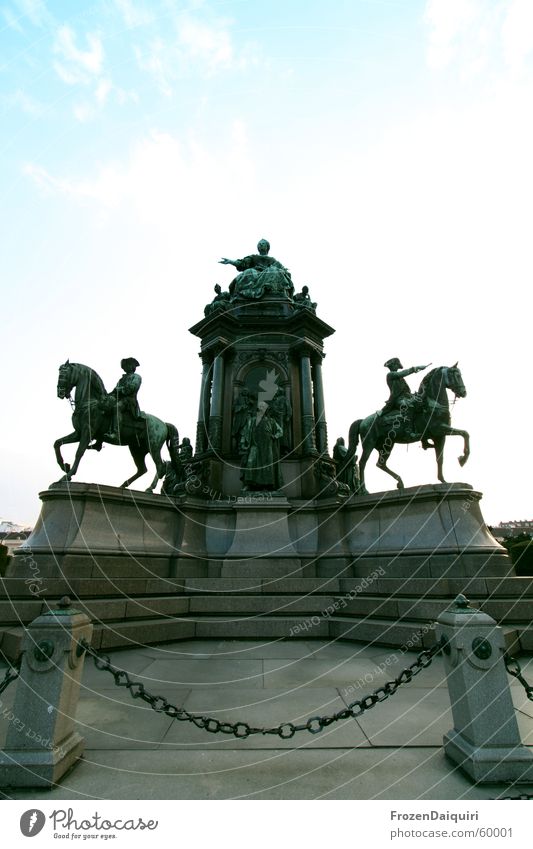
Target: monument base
148 568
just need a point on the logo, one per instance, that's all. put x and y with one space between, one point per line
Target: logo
32 822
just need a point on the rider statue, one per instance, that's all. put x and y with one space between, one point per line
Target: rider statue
401 397
123 403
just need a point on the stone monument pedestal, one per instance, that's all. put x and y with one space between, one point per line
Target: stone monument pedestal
148 568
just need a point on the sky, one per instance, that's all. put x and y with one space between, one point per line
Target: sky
383 147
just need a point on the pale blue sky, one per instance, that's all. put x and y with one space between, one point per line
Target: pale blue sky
384 149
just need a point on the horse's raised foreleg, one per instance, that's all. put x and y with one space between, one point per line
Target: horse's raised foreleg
84 439
64 440
454 431
384 454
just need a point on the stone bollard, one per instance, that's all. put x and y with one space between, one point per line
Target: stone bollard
485 741
42 743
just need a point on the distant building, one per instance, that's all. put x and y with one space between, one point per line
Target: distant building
14 539
512 529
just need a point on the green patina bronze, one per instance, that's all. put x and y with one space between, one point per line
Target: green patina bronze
260 275
407 418
114 418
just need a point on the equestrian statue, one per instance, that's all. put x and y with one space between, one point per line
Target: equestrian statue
406 418
114 418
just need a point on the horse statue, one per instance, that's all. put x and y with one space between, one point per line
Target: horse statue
92 419
431 421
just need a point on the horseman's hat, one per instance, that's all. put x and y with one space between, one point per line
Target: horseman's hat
129 361
394 361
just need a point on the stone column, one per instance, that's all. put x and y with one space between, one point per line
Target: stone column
203 417
42 742
217 398
320 410
485 740
308 419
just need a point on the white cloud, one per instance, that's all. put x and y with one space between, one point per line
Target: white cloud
155 60
210 45
102 91
479 35
196 46
35 11
77 64
449 21
11 20
27 103
84 112
133 15
517 33
166 179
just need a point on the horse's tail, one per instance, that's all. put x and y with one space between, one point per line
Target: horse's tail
173 442
353 438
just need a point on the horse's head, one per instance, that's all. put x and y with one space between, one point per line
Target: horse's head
65 380
454 381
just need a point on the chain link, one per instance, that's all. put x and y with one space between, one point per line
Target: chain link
12 673
513 668
241 729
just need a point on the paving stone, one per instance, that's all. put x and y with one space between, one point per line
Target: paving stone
280 774
246 649
205 672
112 719
317 672
414 716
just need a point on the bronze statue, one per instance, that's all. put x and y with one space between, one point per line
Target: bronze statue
244 409
347 472
261 469
219 302
400 394
281 410
382 430
126 407
259 274
93 415
303 299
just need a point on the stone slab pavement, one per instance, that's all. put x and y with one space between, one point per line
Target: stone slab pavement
393 751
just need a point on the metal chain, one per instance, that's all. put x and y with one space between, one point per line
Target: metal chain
513 668
12 673
241 730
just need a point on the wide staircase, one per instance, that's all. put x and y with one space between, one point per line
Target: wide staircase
396 612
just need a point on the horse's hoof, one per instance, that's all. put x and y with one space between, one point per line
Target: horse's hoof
400 486
149 489
462 460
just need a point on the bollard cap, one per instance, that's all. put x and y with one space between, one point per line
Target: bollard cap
462 605
461 614
64 608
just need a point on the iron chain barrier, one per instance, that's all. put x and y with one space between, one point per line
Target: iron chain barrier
513 668
241 729
12 673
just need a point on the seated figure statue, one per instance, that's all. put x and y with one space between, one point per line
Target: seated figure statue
259 274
